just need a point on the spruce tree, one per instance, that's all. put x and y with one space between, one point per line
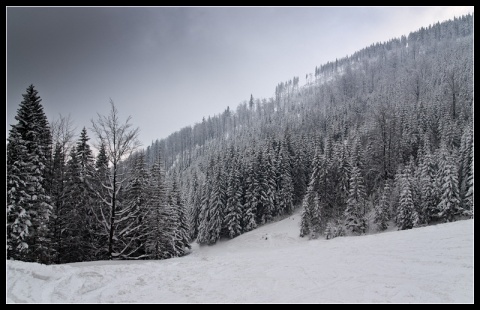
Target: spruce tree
72 215
449 204
234 206
466 170
407 216
429 193
285 188
194 206
181 232
159 238
382 214
28 196
251 202
355 211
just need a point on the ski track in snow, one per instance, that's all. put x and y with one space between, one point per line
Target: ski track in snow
271 264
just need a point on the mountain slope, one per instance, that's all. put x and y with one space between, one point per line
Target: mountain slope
272 264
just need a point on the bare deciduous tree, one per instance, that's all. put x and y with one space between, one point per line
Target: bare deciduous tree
120 140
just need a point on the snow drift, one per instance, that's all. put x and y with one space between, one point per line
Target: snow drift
271 264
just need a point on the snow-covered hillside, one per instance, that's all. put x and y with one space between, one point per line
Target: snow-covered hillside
272 265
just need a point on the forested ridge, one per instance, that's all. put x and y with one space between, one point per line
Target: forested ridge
379 138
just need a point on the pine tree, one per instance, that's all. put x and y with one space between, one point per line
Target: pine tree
382 214
306 215
314 202
234 206
18 217
355 211
213 221
466 170
268 195
285 189
136 200
407 216
58 201
317 216
85 156
28 201
72 216
85 196
159 238
429 193
182 229
449 205
251 202
99 208
206 190
194 206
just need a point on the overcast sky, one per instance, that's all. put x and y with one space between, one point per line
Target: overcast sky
168 67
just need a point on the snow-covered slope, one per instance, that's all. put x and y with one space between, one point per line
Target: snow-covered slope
272 265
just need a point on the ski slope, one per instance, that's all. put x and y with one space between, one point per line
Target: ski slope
271 264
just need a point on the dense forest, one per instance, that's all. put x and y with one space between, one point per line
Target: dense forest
382 138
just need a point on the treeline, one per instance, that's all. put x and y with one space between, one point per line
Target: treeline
360 138
64 205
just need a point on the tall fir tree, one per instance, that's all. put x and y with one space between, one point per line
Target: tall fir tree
312 222
137 199
72 215
355 211
251 202
285 188
28 196
429 191
407 215
212 225
466 170
194 206
382 210
234 206
86 198
159 237
182 242
449 204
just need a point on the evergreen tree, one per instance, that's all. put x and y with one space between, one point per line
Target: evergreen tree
85 198
194 206
466 170
136 200
206 190
314 203
28 201
251 202
285 189
214 215
355 211
99 208
269 191
18 216
85 156
429 193
407 216
159 239
449 205
382 214
72 216
181 231
58 201
234 206
306 215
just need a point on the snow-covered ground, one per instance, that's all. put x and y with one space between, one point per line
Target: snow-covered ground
272 265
